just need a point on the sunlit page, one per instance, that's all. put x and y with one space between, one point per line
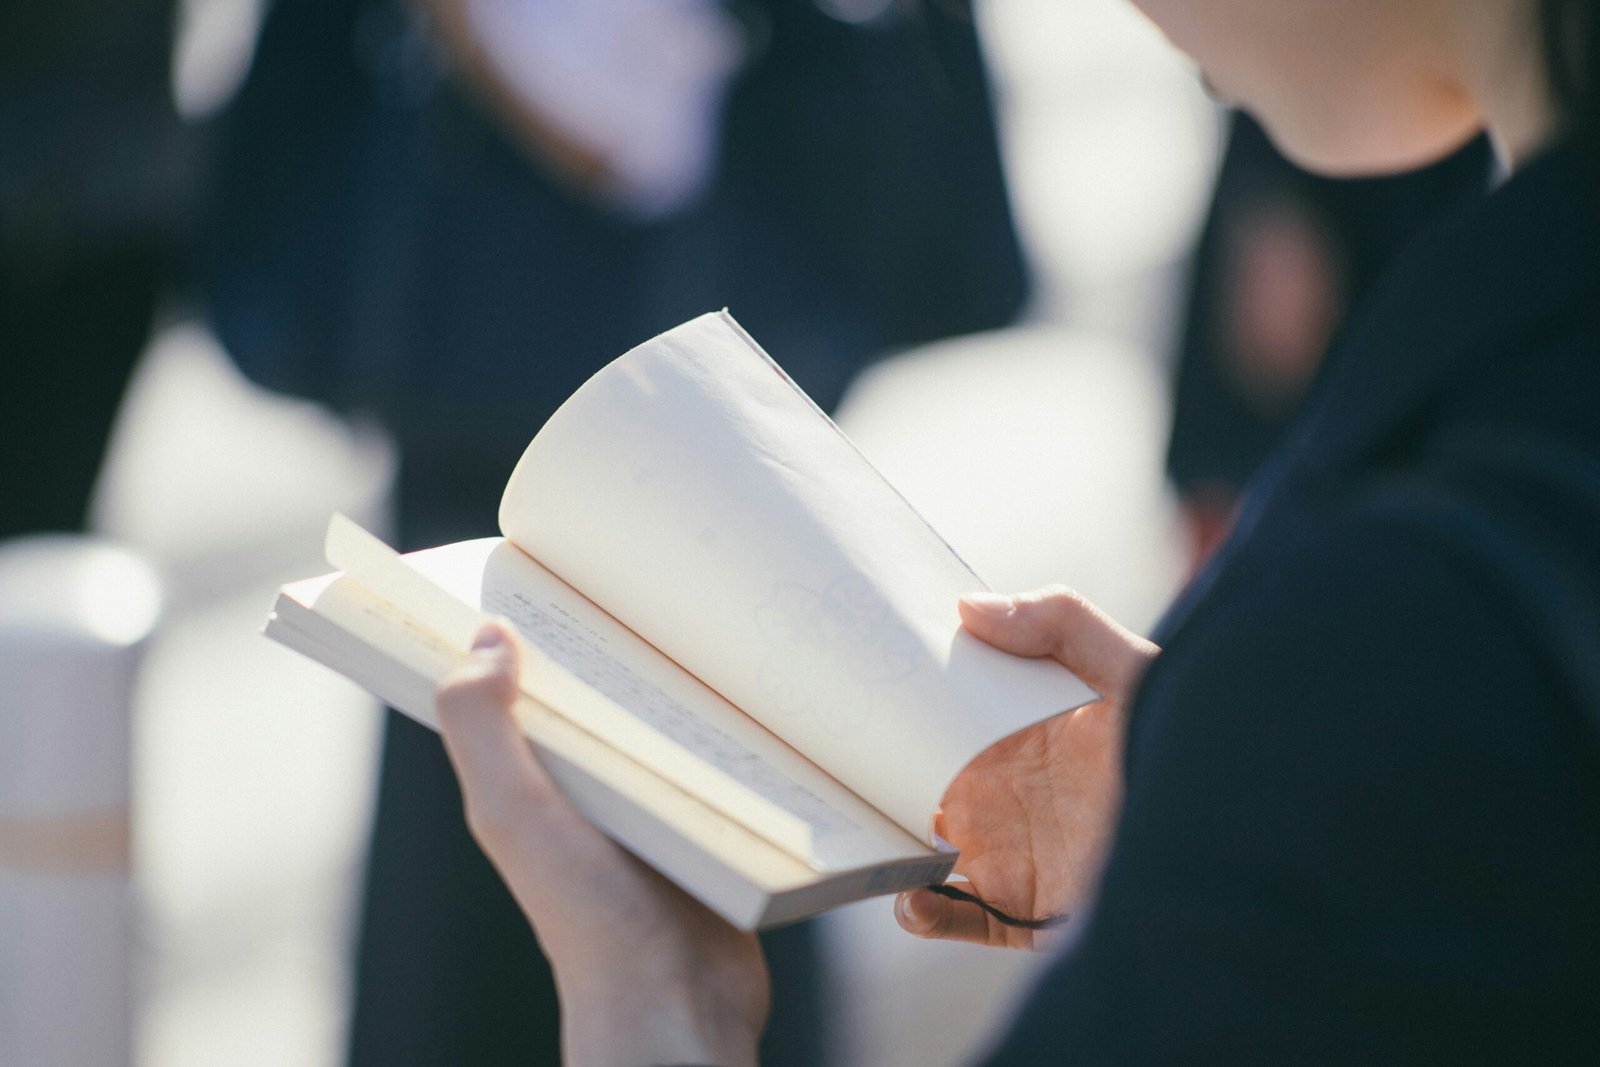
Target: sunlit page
647 707
692 491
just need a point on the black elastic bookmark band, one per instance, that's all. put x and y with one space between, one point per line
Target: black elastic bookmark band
1009 920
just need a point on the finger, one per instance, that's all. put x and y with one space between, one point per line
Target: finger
500 779
935 918
1057 622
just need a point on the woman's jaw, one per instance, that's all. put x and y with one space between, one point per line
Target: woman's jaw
1371 86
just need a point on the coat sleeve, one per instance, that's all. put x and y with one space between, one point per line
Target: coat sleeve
1362 825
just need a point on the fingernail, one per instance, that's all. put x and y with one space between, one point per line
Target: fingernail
996 604
908 914
489 639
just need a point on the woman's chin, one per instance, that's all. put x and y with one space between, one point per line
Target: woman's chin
1370 151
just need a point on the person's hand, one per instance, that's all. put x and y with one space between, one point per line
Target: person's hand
645 974
1033 814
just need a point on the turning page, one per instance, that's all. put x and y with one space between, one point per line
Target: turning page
607 681
692 491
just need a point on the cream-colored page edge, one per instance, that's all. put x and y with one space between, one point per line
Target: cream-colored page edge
839 831
403 663
693 492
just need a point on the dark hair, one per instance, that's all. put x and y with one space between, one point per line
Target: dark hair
1571 32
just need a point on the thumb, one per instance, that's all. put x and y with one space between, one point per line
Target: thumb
492 759
936 918
488 678
1058 623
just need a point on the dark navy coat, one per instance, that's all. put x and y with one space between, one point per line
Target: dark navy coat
1362 821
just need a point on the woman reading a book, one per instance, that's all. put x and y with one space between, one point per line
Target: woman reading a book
1351 810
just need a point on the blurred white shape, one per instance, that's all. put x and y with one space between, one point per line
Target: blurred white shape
78 590
1110 143
74 618
66 969
1037 453
66 676
640 83
253 768
118 603
254 782
215 41
216 479
1125 192
284 1010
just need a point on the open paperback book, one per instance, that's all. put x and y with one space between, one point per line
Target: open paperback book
741 656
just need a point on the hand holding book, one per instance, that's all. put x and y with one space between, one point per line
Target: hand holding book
743 656
648 974
1032 815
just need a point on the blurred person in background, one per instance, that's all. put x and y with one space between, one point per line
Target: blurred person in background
93 199
1284 256
450 222
1349 811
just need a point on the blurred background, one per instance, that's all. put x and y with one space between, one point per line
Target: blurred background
1038 448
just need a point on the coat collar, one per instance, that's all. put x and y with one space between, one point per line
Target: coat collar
1479 289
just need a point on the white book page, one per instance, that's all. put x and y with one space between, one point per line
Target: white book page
605 679
694 493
